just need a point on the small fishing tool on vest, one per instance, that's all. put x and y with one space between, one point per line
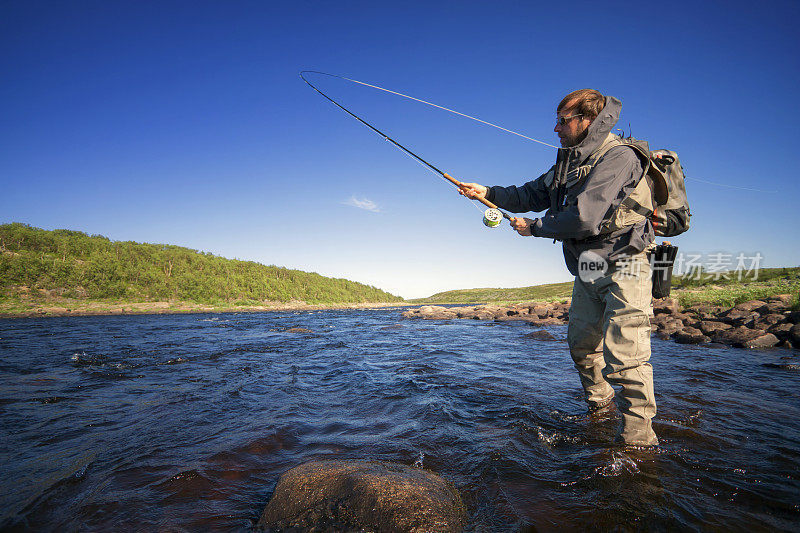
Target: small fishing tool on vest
491 217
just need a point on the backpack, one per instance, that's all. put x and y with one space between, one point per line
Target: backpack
659 196
671 218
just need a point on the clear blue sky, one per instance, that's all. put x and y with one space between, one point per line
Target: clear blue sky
186 123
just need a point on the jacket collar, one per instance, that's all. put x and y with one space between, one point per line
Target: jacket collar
598 132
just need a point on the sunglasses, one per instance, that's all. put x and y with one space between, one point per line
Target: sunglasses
563 120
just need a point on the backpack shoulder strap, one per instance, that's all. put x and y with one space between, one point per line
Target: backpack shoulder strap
611 141
577 174
655 177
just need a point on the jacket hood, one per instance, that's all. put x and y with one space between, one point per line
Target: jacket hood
598 131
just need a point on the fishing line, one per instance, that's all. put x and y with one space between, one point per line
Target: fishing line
490 214
489 217
729 186
439 176
427 103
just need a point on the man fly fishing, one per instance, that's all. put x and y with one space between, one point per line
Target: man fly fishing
593 197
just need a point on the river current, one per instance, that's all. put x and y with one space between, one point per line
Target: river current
186 422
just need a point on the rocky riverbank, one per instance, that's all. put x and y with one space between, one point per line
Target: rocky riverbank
65 307
753 324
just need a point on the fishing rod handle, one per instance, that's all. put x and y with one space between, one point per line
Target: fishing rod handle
451 179
482 200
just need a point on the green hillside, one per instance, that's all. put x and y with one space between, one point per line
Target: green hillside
731 288
36 263
551 291
723 288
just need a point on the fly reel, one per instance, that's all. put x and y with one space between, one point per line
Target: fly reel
492 217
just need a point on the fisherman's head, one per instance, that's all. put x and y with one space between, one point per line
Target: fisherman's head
575 113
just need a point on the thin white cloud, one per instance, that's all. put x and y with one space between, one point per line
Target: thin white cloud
363 203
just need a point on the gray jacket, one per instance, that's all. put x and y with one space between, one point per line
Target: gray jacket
578 206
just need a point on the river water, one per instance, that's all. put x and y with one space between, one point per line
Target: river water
185 423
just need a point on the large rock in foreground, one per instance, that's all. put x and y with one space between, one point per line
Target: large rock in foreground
359 495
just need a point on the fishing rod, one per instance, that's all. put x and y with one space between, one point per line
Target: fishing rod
714 183
491 217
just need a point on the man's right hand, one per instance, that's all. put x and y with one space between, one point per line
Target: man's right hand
473 190
522 225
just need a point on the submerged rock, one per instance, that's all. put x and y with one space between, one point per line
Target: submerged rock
783 366
540 335
298 330
552 321
363 495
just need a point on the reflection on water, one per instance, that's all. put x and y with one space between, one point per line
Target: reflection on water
186 422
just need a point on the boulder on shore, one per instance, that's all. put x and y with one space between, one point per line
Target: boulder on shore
738 317
751 306
690 335
431 312
544 314
767 340
751 324
668 306
344 495
668 326
783 331
794 335
746 338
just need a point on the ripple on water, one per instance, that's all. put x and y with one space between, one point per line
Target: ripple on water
221 406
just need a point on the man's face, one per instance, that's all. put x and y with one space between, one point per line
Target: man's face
574 128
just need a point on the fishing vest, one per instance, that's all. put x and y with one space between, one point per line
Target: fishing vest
649 193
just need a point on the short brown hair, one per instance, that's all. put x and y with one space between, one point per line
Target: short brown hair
587 102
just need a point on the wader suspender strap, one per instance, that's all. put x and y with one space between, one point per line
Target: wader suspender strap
559 177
